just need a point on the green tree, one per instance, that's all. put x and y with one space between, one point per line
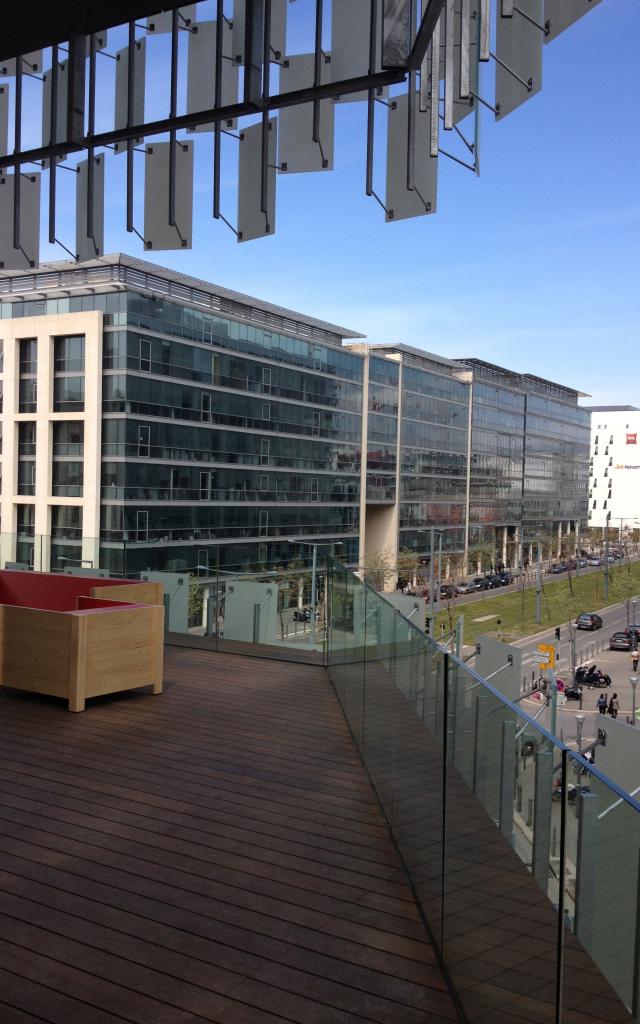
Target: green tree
378 568
407 564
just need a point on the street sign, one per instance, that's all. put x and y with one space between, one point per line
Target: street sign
545 656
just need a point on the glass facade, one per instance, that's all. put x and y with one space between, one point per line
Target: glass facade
220 438
231 429
435 416
529 463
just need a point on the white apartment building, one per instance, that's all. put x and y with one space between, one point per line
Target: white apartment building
614 475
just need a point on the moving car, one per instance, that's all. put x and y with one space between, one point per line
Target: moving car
620 642
558 568
633 631
446 591
588 620
593 561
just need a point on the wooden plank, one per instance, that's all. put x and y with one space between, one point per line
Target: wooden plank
137 593
77 662
121 650
34 650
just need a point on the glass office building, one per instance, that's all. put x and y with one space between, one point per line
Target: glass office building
155 421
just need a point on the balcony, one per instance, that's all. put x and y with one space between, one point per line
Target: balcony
158 865
218 854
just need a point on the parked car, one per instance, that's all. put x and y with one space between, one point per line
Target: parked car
557 568
467 587
582 563
446 591
505 578
482 583
589 620
494 581
620 642
633 631
593 561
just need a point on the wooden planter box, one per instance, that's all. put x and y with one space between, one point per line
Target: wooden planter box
77 637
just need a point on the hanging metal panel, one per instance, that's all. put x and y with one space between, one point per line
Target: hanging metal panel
297 150
201 70
4 119
158 23
402 202
350 39
518 56
158 233
28 255
31 63
278 29
464 56
90 246
561 14
397 33
122 80
62 87
253 221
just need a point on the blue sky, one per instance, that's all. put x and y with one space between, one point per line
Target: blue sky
534 265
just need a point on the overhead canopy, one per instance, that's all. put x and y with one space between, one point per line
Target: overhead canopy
39 23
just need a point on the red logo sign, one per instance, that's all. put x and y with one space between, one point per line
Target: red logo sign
632 438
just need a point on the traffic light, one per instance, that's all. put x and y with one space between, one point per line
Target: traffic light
557 632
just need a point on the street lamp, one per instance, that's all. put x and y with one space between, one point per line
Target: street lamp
579 724
634 682
606 558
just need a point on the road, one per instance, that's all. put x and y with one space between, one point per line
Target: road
589 646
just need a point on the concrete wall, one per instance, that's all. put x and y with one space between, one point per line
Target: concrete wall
45 329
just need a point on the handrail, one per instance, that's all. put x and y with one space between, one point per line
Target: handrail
480 680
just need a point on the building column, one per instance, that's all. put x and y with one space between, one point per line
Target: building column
559 538
505 534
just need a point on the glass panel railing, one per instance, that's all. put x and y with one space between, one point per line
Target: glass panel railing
518 850
602 882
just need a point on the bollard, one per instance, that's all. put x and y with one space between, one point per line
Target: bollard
529 813
519 798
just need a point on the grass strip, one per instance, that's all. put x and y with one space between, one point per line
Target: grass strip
561 601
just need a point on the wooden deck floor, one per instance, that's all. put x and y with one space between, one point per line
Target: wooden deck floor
211 855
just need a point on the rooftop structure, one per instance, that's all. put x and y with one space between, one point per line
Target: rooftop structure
353 50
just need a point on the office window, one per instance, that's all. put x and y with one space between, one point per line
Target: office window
68 394
68 354
144 351
68 439
144 441
26 520
28 356
27 394
66 522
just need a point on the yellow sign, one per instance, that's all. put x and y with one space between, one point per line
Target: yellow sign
546 656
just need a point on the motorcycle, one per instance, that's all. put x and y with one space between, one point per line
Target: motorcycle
572 792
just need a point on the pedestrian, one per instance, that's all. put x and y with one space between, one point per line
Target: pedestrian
601 704
614 706
635 656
